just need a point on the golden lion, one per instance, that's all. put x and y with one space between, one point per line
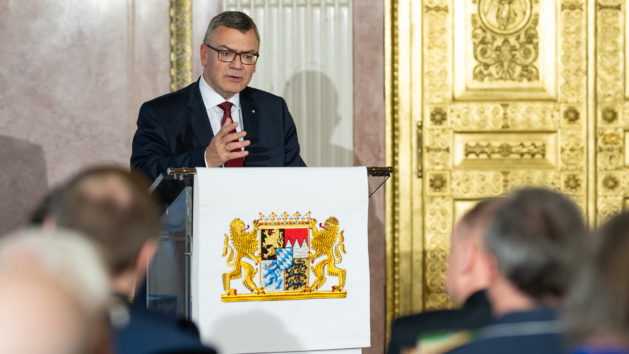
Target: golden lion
246 245
323 243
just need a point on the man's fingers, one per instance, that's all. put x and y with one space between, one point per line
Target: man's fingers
227 128
237 154
236 145
234 136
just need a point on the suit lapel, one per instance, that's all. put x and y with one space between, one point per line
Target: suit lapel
199 120
250 118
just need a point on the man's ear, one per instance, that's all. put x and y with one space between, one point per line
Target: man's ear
203 53
469 255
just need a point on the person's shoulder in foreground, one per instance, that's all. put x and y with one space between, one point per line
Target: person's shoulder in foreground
406 330
533 331
150 332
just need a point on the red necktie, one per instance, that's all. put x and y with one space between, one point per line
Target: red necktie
227 113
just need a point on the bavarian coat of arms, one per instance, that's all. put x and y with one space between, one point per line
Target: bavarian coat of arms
284 258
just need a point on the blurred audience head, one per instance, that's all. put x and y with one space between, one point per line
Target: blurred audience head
597 309
533 245
465 273
113 207
54 294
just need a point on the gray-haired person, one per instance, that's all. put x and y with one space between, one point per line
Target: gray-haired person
533 246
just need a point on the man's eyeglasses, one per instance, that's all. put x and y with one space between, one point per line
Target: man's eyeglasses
228 56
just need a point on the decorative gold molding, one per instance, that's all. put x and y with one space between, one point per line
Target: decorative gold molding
180 44
392 249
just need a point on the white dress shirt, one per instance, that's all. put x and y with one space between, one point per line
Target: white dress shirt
211 100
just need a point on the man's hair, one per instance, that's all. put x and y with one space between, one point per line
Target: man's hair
598 303
231 19
121 228
536 238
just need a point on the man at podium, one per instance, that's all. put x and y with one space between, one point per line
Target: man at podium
218 120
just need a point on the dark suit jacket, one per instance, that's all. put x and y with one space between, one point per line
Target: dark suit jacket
148 332
173 131
535 331
405 331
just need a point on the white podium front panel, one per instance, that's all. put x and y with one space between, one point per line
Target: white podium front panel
279 259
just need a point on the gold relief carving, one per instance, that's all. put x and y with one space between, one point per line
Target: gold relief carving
490 150
607 206
436 55
180 44
572 183
437 148
602 6
437 239
572 150
513 150
571 115
611 138
515 116
541 178
571 6
503 58
609 115
438 115
477 184
572 53
476 116
610 182
610 150
436 8
610 47
504 17
438 182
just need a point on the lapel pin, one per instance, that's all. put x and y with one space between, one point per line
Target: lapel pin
253 111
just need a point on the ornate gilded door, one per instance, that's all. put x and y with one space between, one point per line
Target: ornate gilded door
485 96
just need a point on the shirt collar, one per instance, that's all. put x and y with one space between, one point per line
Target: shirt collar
211 98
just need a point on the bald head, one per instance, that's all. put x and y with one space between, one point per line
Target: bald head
54 293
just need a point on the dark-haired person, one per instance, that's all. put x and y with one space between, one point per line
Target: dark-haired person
597 309
113 207
466 280
533 246
218 120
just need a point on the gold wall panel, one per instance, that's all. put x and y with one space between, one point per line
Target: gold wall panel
611 108
499 52
494 150
481 103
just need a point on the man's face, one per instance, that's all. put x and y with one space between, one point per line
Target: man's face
227 79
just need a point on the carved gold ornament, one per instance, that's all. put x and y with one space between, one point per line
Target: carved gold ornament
490 150
571 115
282 249
438 116
572 183
438 182
609 115
610 182
501 54
504 16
